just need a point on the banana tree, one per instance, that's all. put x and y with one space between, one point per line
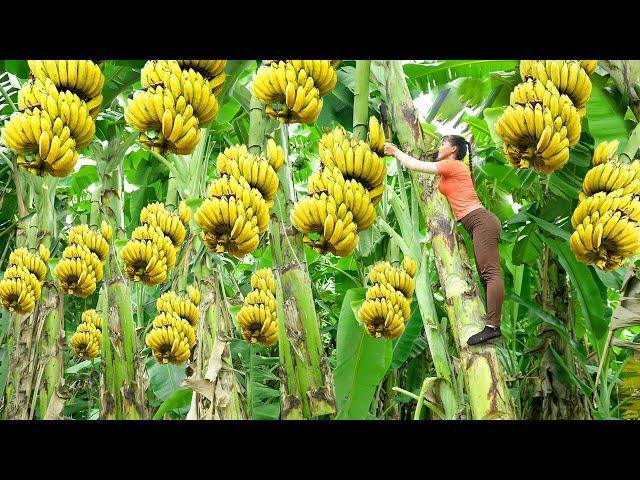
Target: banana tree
306 380
488 394
410 245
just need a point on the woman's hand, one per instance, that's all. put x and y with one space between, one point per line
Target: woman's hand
390 149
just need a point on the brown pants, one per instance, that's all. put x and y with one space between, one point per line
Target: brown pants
484 228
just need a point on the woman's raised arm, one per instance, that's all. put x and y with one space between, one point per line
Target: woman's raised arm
410 162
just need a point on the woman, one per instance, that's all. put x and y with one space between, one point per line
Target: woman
457 185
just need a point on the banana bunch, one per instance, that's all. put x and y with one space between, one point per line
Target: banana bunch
258 318
236 211
169 223
58 106
81 265
232 217
181 88
327 212
350 192
376 136
186 307
342 194
606 221
154 244
173 335
238 163
604 152
177 99
602 202
212 70
538 126
163 128
610 176
569 76
387 305
323 73
64 108
81 77
87 339
21 285
355 160
184 213
292 89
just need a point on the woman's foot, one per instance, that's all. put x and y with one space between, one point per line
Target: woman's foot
488 333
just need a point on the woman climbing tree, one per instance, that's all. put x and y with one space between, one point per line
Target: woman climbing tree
456 183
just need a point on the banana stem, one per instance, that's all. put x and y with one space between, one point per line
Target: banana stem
249 384
361 100
167 164
140 313
601 367
172 191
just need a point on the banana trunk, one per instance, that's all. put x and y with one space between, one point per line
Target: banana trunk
217 392
559 399
121 369
361 100
306 381
487 391
35 342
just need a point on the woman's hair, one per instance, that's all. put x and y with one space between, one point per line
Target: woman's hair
462 147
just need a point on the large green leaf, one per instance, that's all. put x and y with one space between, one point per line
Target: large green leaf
119 76
550 227
586 389
165 379
528 246
19 68
588 294
564 185
404 345
605 117
437 72
180 399
491 115
361 362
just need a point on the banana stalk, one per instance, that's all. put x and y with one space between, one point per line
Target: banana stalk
559 399
35 341
121 369
217 392
486 388
306 381
361 100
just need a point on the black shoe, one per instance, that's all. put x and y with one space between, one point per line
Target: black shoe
487 334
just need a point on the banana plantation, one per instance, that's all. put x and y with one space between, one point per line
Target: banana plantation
227 240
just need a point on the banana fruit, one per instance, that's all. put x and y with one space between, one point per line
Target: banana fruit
21 285
258 318
606 221
58 106
173 336
81 265
87 339
292 89
387 304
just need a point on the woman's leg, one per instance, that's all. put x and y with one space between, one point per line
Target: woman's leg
486 238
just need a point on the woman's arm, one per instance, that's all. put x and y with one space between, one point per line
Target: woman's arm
410 162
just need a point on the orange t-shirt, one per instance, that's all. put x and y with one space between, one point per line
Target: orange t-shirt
456 184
